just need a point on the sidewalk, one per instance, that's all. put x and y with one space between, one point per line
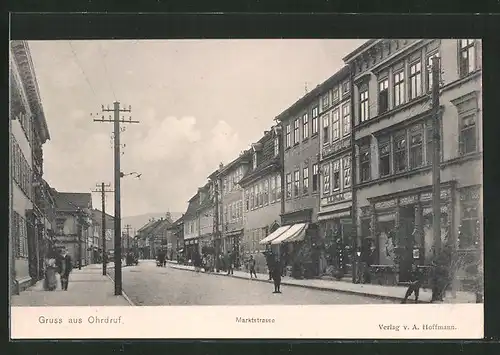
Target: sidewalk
376 291
87 287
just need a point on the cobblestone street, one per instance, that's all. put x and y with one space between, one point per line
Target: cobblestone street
149 285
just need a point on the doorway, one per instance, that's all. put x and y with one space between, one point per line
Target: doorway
406 241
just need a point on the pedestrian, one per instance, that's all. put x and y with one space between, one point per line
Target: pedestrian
65 267
276 273
415 283
269 262
230 263
50 279
251 264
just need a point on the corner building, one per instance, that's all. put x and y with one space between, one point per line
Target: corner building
393 142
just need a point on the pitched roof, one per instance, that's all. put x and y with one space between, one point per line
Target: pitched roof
71 201
266 161
97 218
146 226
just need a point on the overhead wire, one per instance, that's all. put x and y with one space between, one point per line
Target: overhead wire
106 72
81 68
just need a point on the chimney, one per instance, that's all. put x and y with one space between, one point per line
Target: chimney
221 165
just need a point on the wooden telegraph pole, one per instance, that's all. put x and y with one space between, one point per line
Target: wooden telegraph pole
103 192
118 236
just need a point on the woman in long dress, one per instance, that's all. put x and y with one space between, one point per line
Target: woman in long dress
50 281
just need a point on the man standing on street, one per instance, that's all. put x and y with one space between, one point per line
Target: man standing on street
251 264
230 263
65 268
276 271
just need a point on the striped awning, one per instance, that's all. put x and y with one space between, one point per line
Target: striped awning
274 235
295 233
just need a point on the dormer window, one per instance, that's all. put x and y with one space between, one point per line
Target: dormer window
254 160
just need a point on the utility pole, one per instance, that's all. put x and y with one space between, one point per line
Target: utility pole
436 161
127 228
436 181
103 192
116 124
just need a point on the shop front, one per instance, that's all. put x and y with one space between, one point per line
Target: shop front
396 231
232 244
336 243
191 248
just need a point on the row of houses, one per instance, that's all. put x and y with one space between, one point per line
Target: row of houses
348 167
42 219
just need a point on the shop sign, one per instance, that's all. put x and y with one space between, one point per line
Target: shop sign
385 204
427 196
428 210
408 200
336 198
335 147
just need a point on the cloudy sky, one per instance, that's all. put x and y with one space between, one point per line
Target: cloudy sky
199 103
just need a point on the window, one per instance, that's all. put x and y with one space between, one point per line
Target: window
384 157
429 143
364 162
254 165
266 192
335 125
191 225
429 70
305 180
335 95
326 101
273 189
276 146
278 187
346 166
326 128
415 80
247 200
346 87
399 88
296 134
383 96
467 56
363 104
288 141
252 197
288 185
346 118
336 175
261 194
400 157
296 183
315 177
468 134
468 236
314 120
416 146
305 126
326 179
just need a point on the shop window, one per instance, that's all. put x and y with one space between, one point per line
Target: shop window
468 235
384 157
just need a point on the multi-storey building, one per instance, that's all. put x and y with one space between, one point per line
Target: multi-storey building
74 224
109 232
394 149
334 215
177 231
191 228
28 132
300 125
262 197
231 200
144 242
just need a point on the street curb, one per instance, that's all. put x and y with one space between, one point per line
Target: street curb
127 298
319 288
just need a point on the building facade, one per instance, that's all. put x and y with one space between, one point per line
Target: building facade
262 198
300 126
191 228
177 231
28 132
335 217
394 145
109 233
231 201
74 226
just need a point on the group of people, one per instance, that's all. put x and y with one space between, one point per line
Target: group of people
57 265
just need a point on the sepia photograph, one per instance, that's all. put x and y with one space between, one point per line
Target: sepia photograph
246 172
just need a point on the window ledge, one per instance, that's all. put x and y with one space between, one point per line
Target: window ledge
390 113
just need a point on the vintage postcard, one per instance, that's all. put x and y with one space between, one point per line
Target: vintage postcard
246 188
